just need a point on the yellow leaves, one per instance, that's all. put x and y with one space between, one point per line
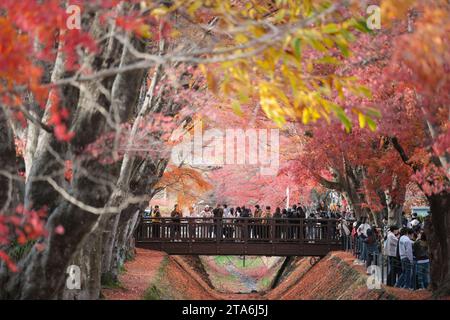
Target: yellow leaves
236 107
267 65
366 119
338 87
194 7
362 120
241 38
305 116
372 125
275 103
160 11
310 113
342 44
340 113
144 31
278 61
280 15
307 8
210 78
270 105
330 28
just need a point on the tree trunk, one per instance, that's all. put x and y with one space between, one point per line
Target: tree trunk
122 249
395 214
89 261
438 231
7 163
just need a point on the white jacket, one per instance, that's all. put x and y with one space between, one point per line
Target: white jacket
362 229
405 248
390 245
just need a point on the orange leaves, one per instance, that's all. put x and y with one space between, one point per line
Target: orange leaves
16 67
184 177
187 183
395 9
210 78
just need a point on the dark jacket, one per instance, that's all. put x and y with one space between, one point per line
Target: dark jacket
176 215
218 213
301 213
371 242
420 250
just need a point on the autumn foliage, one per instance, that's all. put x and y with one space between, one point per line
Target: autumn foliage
94 112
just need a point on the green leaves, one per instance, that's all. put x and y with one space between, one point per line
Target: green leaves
236 107
342 116
372 125
297 48
287 68
360 25
367 119
331 28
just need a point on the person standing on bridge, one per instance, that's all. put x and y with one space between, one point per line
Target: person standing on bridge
292 215
238 223
310 224
176 226
284 220
156 222
208 218
278 221
246 214
266 221
218 211
192 222
299 214
218 214
226 210
256 227
228 222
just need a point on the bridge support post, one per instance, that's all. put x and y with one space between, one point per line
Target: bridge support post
329 231
301 235
218 233
192 233
272 227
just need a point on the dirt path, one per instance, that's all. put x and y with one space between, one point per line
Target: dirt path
137 277
144 268
334 277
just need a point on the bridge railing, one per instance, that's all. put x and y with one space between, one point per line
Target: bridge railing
238 230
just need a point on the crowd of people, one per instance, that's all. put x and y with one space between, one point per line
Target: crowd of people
402 248
286 222
224 211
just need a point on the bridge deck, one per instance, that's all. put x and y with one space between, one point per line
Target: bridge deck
241 236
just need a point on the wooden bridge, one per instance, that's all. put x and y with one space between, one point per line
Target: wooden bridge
239 236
